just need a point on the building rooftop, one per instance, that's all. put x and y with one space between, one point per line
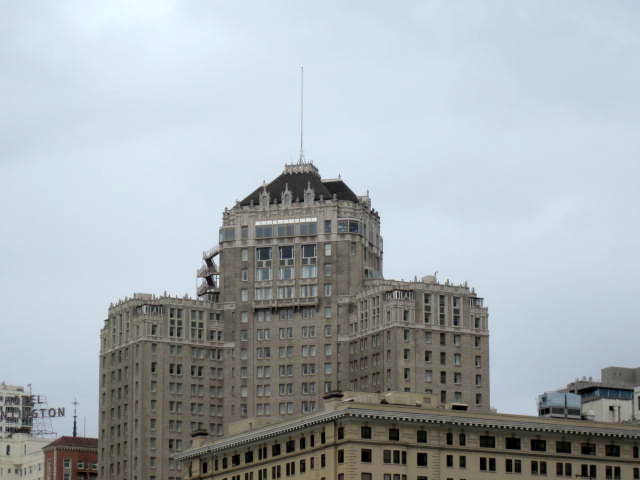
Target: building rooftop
296 178
74 442
412 408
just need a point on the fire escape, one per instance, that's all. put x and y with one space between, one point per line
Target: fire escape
209 289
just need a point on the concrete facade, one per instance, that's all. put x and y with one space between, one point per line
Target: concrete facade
306 310
160 378
294 306
15 410
21 457
402 437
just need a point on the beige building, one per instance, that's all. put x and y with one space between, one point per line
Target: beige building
306 310
161 377
293 306
15 410
397 436
21 457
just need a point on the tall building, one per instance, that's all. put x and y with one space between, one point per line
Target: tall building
71 458
306 310
292 305
161 375
404 436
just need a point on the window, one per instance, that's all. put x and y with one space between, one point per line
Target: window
327 289
512 443
487 464
421 436
421 459
612 450
588 449
449 461
538 445
563 446
487 441
327 226
365 432
366 455
394 434
244 295
340 456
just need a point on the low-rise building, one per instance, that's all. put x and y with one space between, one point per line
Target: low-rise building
21 457
71 458
610 399
407 436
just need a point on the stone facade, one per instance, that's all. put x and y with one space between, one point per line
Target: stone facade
161 374
294 306
21 457
403 437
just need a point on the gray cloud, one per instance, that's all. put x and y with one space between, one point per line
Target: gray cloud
498 140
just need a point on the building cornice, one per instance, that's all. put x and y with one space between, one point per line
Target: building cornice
428 418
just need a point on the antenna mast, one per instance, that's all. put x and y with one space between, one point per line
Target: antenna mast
75 418
301 159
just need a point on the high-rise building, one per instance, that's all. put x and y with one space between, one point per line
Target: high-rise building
293 304
160 378
306 309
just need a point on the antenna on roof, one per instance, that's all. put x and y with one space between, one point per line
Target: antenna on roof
75 418
301 159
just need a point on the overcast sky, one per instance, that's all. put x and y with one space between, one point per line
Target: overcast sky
498 139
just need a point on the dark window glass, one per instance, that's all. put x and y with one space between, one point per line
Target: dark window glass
588 449
421 436
538 445
487 441
563 447
365 432
612 450
394 434
365 455
512 443
421 459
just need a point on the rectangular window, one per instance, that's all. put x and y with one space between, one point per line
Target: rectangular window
538 445
487 441
327 226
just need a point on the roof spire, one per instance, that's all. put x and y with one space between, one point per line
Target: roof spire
75 418
301 158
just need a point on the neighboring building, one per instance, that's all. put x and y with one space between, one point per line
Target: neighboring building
161 375
21 457
297 307
15 410
560 405
71 458
610 399
403 437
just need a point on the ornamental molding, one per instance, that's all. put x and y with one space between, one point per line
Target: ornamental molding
438 419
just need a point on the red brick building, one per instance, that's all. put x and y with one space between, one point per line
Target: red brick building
71 458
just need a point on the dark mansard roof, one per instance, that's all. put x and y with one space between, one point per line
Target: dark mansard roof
296 178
